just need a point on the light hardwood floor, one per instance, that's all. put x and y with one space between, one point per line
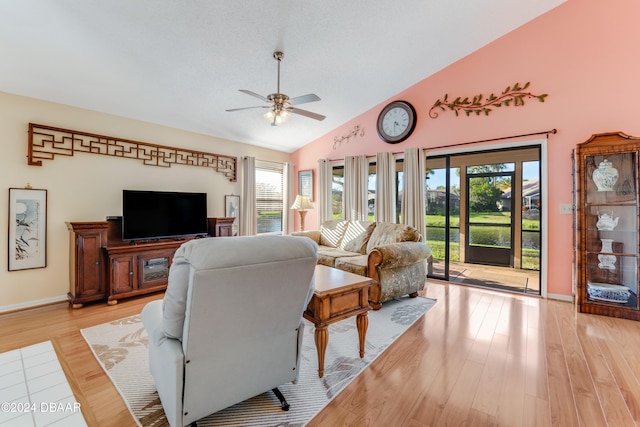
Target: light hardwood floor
477 358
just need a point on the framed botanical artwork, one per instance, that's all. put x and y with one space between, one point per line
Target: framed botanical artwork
305 184
27 228
232 210
231 206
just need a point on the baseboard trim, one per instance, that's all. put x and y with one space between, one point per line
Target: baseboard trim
567 298
32 304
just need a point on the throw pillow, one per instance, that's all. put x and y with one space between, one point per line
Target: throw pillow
331 232
357 236
385 233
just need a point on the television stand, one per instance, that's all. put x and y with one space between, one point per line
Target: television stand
104 267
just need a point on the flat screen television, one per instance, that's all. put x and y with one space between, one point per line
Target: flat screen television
162 214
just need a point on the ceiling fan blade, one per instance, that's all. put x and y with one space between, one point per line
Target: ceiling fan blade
248 108
312 97
306 113
248 92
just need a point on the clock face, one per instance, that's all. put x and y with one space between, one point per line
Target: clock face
396 122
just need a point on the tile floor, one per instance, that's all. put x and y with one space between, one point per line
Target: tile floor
34 390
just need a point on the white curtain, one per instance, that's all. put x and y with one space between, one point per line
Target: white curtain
385 209
248 220
413 201
325 201
356 175
288 197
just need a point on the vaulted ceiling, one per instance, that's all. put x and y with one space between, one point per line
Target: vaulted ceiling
181 63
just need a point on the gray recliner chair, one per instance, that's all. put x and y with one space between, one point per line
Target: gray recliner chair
230 324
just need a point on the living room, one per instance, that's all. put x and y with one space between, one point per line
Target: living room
577 53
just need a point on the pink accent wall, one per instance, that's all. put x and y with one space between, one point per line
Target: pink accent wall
584 54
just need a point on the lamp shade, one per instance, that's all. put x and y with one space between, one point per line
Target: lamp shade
301 203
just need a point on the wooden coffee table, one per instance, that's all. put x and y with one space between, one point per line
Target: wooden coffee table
337 296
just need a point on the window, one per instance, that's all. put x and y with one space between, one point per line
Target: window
269 196
337 191
371 192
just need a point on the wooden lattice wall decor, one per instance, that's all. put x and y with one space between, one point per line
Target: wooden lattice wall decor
45 142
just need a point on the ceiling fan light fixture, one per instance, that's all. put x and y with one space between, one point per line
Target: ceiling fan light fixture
277 118
280 105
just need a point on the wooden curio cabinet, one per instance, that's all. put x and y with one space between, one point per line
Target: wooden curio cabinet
86 266
607 209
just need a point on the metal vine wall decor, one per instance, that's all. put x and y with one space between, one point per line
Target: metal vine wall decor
45 142
512 95
357 131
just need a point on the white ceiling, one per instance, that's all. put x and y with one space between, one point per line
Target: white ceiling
180 63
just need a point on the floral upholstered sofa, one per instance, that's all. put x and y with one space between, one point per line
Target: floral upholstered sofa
391 254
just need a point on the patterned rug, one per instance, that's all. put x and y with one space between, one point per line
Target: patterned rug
121 348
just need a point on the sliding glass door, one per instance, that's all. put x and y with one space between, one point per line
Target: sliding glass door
483 218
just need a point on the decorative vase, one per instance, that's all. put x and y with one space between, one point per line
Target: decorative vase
606 176
607 262
606 221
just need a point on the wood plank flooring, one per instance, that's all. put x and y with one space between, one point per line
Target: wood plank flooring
477 358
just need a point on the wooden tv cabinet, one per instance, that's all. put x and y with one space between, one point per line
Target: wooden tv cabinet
104 267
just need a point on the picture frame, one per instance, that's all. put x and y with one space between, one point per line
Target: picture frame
305 184
231 206
232 210
27 228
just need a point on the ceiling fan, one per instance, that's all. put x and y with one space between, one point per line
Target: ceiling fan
280 105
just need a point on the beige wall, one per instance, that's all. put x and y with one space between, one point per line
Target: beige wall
89 187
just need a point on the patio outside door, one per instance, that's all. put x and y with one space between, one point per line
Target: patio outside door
489 227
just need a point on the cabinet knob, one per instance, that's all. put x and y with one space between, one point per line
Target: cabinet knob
131 273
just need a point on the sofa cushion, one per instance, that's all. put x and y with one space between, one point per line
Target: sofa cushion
328 255
356 236
331 232
385 233
353 264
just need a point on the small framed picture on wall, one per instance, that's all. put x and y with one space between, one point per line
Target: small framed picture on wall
27 228
231 206
232 210
305 184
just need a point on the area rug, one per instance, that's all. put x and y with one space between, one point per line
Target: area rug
121 349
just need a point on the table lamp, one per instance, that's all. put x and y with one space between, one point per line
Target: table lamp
301 204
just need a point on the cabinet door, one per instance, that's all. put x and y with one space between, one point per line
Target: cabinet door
610 229
224 230
122 274
89 271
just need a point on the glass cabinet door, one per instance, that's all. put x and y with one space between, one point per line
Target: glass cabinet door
611 229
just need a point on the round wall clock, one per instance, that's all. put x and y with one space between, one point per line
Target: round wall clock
396 122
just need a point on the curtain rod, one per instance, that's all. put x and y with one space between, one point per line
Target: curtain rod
266 161
546 132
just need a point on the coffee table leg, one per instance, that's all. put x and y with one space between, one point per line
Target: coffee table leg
362 321
321 338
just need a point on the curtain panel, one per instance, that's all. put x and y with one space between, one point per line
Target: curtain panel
356 175
385 207
325 199
413 201
248 218
288 198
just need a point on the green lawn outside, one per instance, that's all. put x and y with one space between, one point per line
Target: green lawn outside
487 217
